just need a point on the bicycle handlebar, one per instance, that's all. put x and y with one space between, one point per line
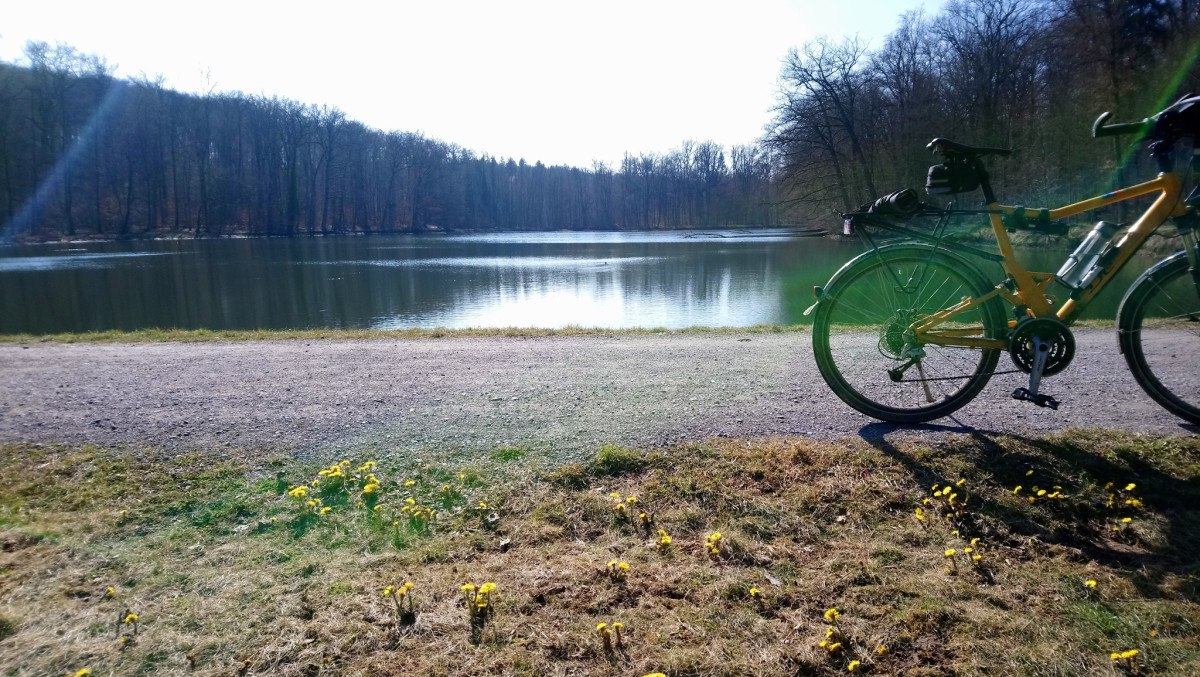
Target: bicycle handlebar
1100 129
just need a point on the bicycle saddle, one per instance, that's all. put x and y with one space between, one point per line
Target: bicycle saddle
948 147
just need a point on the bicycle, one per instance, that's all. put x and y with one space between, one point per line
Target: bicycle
912 330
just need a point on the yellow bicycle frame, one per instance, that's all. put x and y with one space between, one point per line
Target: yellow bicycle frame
1029 288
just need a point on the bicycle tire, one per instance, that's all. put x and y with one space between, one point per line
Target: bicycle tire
863 307
1158 325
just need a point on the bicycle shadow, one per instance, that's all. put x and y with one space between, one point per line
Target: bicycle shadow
1166 568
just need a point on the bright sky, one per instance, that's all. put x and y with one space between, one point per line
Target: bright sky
564 82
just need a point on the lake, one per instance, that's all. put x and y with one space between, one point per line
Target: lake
673 279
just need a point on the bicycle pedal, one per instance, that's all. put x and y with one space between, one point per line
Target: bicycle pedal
1044 401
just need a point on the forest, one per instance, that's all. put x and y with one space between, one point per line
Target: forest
86 154
1031 75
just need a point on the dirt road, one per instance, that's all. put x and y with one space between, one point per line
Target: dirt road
564 395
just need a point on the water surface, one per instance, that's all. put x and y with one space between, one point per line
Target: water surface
716 278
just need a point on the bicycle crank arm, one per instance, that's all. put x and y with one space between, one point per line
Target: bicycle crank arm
1041 351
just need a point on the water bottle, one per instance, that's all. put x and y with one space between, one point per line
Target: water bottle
1084 258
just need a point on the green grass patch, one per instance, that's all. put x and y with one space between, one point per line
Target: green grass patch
228 567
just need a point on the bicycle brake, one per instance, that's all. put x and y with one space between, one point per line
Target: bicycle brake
1041 351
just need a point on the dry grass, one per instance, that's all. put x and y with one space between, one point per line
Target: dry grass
219 586
206 335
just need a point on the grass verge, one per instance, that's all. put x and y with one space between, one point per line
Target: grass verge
230 570
207 335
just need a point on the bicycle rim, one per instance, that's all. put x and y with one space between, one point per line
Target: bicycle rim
858 336
1161 338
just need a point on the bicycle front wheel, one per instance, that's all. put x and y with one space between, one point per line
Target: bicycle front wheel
866 354
1159 324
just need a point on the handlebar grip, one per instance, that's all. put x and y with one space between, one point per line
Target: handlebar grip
1100 129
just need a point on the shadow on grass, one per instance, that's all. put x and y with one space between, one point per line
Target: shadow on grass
1083 472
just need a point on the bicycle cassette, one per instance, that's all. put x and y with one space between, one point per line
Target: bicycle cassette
1050 331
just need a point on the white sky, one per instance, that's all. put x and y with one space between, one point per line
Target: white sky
564 82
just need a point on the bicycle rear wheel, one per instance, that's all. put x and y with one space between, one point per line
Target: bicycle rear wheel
859 334
1159 323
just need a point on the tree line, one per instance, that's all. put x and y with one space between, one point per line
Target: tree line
85 154
852 122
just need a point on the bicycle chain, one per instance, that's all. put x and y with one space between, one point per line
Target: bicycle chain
957 378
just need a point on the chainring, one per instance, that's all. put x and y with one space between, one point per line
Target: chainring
1049 330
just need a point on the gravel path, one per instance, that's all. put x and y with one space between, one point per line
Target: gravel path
566 395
